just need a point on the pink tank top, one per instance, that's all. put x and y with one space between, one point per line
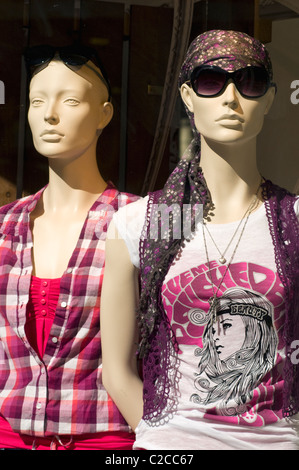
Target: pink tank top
43 298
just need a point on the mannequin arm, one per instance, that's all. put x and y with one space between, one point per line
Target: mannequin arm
119 330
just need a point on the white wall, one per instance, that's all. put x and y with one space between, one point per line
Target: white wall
278 143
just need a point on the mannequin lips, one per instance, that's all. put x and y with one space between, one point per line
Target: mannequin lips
231 118
51 135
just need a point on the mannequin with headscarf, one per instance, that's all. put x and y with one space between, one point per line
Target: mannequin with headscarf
54 244
227 138
216 313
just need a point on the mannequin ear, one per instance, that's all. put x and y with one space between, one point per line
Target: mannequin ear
106 115
270 95
186 95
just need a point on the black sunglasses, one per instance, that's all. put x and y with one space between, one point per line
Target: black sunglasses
74 55
210 80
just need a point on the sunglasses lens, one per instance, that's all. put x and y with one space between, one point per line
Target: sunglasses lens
73 59
252 82
208 82
38 55
76 55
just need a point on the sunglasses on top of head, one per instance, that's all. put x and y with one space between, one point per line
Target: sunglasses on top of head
71 56
209 81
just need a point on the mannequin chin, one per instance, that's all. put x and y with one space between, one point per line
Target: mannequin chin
68 110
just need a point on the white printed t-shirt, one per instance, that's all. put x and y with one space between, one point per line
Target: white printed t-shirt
230 387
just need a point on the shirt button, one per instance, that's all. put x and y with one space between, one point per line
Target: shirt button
69 270
43 292
63 304
54 339
44 312
45 283
43 301
38 406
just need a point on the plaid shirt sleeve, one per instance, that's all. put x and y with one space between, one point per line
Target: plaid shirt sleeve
63 392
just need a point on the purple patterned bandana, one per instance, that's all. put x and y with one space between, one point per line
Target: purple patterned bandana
230 50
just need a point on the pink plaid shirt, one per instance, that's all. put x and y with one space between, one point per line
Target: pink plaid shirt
63 392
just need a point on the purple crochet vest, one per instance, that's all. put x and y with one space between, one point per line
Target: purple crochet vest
158 346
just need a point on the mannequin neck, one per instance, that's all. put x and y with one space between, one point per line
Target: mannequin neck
232 177
74 184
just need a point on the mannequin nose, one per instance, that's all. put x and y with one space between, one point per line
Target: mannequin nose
51 115
230 94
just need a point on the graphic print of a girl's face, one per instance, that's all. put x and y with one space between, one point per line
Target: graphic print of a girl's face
238 327
228 334
238 350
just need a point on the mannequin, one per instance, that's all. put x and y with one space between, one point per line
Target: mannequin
210 323
54 316
68 137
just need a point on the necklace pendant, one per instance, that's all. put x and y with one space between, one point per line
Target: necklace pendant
222 260
214 304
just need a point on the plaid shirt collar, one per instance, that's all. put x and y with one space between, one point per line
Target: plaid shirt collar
18 226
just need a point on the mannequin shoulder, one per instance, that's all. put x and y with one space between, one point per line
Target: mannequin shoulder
24 204
133 210
116 198
13 210
129 220
12 215
127 198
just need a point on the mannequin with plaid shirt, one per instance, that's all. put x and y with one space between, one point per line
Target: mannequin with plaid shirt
54 245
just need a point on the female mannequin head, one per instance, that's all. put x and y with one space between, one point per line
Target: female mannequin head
69 107
226 85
